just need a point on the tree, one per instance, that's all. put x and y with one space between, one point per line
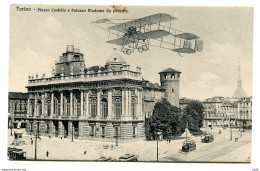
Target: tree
193 114
166 118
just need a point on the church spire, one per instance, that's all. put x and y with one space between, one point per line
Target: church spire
239 92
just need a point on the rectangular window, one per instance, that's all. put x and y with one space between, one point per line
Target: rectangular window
92 131
116 132
103 132
134 131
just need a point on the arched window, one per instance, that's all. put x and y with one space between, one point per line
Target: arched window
93 108
104 110
118 108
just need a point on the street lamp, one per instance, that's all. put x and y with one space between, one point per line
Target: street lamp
36 136
158 133
72 132
11 126
117 137
229 114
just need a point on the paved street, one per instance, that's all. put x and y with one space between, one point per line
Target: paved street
220 150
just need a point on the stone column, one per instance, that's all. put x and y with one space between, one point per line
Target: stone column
98 104
28 106
126 102
138 103
61 103
70 129
109 105
61 129
81 102
129 102
43 111
35 104
71 102
52 102
141 103
87 92
123 102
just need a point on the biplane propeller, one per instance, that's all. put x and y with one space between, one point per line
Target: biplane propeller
154 30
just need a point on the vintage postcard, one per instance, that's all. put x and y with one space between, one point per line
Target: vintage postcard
130 83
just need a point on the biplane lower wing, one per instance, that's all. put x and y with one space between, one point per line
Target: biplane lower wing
155 34
186 36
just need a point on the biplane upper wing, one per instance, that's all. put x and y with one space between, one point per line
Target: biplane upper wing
149 20
155 34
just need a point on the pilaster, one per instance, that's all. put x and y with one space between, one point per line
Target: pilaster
52 103
109 105
81 102
61 103
86 100
71 103
61 129
98 104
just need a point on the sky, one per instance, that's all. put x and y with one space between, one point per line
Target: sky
37 39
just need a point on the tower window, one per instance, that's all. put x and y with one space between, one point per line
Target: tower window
172 76
114 59
165 76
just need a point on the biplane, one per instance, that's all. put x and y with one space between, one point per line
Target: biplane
154 30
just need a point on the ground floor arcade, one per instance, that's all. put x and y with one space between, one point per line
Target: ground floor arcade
86 129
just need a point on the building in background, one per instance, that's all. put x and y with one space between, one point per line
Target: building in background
100 102
223 111
17 109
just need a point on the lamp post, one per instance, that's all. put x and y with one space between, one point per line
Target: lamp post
72 132
117 137
36 136
11 127
157 135
229 114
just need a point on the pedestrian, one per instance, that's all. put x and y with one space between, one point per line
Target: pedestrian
32 142
47 153
169 140
49 137
85 152
61 137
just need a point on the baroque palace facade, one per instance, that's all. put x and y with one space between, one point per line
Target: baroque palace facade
99 102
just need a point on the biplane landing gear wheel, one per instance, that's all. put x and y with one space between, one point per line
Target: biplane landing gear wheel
144 47
127 51
140 49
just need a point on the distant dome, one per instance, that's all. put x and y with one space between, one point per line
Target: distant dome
115 59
